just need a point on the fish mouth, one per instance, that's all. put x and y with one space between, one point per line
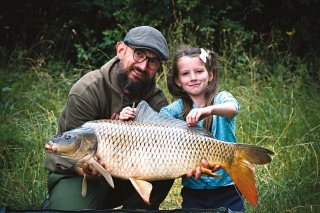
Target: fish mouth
50 147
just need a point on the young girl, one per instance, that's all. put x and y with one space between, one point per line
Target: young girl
193 80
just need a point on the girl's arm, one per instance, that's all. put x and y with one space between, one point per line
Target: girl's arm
227 110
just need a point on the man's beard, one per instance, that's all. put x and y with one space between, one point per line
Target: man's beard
132 86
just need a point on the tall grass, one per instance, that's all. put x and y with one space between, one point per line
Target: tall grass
287 122
31 101
280 112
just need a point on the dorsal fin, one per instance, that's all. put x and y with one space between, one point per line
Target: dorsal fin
144 113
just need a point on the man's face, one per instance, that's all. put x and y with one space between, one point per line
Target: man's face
135 77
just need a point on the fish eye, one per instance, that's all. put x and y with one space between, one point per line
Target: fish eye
67 136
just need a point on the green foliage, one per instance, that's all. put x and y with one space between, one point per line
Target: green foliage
30 105
278 117
86 31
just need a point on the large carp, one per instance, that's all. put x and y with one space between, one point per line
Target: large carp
155 147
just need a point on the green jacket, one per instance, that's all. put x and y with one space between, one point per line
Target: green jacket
97 95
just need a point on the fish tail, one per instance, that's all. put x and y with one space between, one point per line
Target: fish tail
242 169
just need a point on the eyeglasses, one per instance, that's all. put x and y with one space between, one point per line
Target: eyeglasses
140 57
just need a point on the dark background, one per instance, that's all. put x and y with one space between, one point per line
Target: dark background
78 31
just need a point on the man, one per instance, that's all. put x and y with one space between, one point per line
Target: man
126 79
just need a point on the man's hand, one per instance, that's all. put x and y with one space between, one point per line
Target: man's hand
92 174
197 171
127 113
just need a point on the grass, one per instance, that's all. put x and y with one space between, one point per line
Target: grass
278 112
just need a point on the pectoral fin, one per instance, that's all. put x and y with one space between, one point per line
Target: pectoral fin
143 188
84 186
102 170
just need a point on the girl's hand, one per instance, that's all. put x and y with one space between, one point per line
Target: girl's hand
127 113
195 115
227 110
197 171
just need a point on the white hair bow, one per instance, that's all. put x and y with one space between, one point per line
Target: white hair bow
203 55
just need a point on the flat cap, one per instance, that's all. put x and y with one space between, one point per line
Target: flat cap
145 37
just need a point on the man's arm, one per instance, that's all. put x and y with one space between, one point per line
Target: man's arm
76 112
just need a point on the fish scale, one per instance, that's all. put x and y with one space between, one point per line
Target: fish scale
155 147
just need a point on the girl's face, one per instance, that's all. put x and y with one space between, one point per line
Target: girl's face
193 76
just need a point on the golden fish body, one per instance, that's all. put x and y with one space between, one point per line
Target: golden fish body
155 147
146 151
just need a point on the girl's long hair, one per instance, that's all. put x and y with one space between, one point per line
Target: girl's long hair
212 89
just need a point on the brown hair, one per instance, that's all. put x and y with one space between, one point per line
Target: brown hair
212 89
